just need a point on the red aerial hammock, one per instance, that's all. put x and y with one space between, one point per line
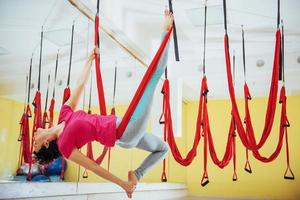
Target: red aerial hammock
67 94
168 129
139 92
207 136
141 88
283 100
284 123
37 123
248 139
247 97
24 138
67 91
101 98
166 119
247 136
52 103
45 115
89 152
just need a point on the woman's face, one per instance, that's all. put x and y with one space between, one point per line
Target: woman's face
40 139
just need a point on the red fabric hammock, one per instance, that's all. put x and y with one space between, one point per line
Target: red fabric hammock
168 128
25 154
138 94
37 123
248 136
101 98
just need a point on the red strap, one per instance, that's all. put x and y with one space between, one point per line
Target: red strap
108 159
205 179
164 175
51 112
234 177
138 94
67 94
101 97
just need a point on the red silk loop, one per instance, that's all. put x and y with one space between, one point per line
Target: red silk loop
67 94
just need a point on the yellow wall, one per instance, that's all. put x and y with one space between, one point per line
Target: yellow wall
265 182
10 115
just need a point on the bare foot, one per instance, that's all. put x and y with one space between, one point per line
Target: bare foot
132 177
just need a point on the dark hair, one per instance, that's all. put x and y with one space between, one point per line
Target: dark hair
46 155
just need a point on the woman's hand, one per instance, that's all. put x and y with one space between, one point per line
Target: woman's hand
92 54
168 20
129 187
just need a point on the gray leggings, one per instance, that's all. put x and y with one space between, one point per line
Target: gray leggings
135 133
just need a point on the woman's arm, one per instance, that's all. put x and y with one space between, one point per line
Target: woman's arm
79 158
84 75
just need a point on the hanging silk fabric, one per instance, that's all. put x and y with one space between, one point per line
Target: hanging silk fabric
247 96
52 103
67 90
89 150
67 93
24 137
285 121
45 115
101 98
248 136
248 139
139 92
37 122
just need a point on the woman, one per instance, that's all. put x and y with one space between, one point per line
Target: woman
75 129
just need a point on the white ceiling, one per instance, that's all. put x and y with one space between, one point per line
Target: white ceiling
140 21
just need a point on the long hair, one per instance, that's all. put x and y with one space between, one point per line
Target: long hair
46 155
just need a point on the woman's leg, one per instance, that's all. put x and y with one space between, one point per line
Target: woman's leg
136 127
158 149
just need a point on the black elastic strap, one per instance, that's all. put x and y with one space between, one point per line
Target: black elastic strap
29 81
174 33
46 103
98 3
25 93
55 74
70 62
225 15
244 54
115 85
278 13
204 37
166 73
40 63
281 65
90 96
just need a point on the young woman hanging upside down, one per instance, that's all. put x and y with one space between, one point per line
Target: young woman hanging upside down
76 128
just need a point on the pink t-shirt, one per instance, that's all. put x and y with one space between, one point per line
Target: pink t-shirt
81 128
